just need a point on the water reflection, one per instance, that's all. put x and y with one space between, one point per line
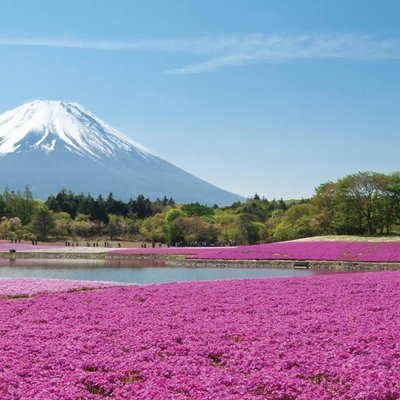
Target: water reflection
133 271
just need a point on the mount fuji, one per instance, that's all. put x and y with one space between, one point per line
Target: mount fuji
52 145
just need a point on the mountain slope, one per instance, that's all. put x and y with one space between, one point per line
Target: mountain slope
45 125
52 145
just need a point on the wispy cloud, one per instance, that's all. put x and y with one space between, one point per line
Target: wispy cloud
261 48
225 51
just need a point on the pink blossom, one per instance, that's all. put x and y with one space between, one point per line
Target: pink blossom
322 337
24 287
302 250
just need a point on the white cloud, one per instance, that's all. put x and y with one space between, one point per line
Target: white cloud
225 51
215 63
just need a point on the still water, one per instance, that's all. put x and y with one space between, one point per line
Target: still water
140 272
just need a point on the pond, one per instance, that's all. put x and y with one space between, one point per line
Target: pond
140 272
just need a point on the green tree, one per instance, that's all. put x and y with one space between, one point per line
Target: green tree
324 206
298 221
43 222
10 228
116 226
359 202
248 229
61 224
81 226
392 202
197 209
173 227
155 229
226 224
98 211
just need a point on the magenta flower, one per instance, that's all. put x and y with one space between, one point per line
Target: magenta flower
302 250
322 337
25 287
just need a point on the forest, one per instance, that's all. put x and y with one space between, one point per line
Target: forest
364 203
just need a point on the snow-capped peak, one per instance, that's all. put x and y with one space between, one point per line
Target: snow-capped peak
48 125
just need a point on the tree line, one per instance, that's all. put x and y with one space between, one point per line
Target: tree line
365 203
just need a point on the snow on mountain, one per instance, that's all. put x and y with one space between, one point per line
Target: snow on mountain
52 145
46 125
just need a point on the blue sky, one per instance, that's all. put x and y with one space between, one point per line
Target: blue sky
255 96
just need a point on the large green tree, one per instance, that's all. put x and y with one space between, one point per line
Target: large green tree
43 222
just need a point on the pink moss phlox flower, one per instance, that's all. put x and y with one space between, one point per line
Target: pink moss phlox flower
24 287
302 250
323 337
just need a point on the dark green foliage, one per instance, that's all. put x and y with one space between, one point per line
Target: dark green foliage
197 209
42 222
261 209
17 204
116 207
248 229
141 207
98 211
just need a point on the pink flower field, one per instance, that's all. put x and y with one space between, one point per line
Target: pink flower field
301 250
295 250
322 337
25 287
